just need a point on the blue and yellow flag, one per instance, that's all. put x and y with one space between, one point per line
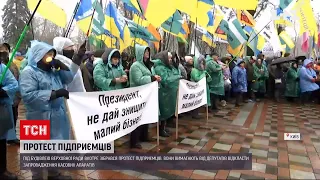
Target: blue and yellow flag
112 23
83 15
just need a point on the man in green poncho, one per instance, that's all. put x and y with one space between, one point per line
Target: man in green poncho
109 74
292 83
140 74
197 73
168 88
260 75
216 86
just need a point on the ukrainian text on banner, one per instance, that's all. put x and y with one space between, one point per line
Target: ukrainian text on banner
191 95
109 115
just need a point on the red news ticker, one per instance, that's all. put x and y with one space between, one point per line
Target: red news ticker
35 130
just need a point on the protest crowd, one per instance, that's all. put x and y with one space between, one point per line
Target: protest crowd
42 76
48 73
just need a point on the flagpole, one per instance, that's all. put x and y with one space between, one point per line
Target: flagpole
170 29
22 35
71 20
92 16
250 40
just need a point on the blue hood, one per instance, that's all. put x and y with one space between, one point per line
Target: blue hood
306 62
239 61
37 52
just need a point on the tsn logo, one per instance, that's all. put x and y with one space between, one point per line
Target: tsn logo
35 130
292 136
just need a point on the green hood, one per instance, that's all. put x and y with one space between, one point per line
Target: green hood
208 58
140 52
197 61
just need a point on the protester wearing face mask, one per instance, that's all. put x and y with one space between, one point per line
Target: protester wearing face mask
140 74
239 81
42 90
4 57
8 89
307 80
109 74
65 53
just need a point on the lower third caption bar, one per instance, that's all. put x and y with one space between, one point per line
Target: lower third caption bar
223 161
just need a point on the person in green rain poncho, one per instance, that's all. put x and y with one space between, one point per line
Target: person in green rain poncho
260 75
292 82
168 87
197 73
140 74
216 86
109 74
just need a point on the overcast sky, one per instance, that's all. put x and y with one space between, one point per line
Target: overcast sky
69 5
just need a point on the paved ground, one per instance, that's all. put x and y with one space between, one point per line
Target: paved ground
256 128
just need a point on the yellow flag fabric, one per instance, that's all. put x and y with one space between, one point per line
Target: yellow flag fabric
84 24
246 18
187 8
108 41
49 11
236 4
199 14
127 40
215 28
239 51
261 42
140 21
208 41
158 11
307 21
283 22
285 37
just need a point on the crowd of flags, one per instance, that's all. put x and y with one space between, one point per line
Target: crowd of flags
227 20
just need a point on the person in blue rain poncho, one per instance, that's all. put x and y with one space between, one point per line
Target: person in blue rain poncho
239 80
8 89
42 90
307 80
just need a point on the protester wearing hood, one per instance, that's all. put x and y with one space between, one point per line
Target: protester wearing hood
260 75
279 82
292 82
8 90
140 74
307 80
216 86
65 54
198 73
12 137
239 80
250 71
87 72
227 81
163 66
188 66
42 90
109 74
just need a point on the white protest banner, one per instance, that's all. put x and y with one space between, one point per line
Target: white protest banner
109 115
191 95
